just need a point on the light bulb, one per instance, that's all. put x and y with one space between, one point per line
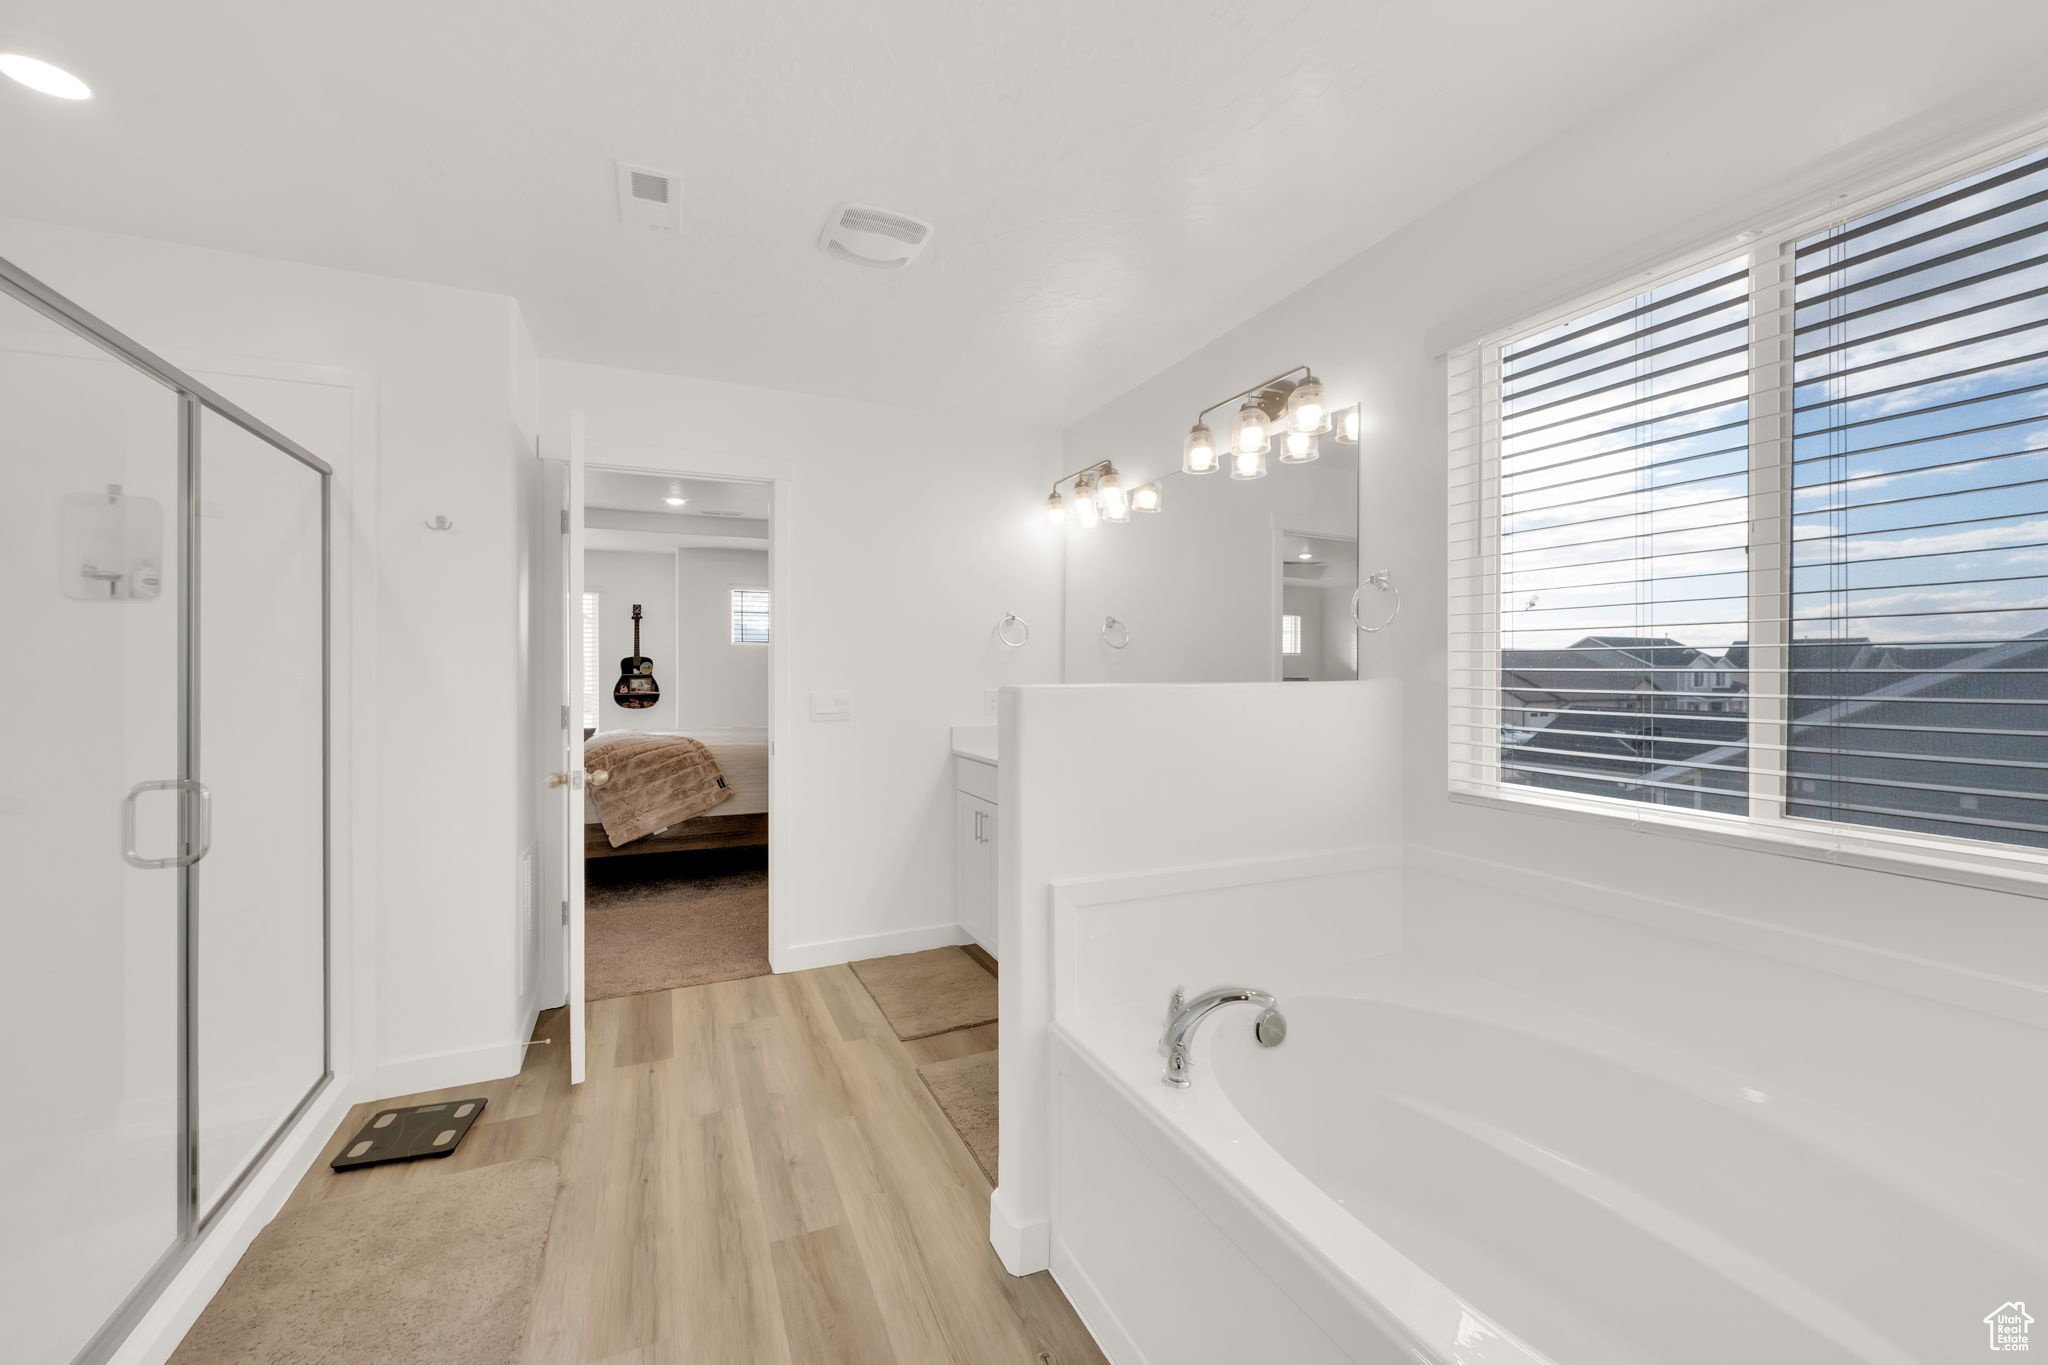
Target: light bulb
1086 513
1056 509
43 78
1347 427
1146 498
1299 448
1306 411
1249 433
1109 492
1200 454
1248 464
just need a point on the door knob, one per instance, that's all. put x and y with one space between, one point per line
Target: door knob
558 779
597 778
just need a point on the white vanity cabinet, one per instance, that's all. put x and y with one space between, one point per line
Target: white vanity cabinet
974 849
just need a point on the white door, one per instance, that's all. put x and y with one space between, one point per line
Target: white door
570 788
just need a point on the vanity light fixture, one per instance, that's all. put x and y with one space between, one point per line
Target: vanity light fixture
42 77
1307 413
1347 427
1250 433
1097 496
1110 497
1087 511
1291 404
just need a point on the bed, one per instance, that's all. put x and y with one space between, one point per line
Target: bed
739 822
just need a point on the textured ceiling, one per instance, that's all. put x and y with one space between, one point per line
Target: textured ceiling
1112 184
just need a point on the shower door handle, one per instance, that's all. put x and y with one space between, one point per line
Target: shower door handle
200 840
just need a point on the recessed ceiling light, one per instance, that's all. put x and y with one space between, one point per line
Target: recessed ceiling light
1306 554
41 76
675 496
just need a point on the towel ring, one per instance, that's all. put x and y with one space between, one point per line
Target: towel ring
1003 628
1384 581
1110 623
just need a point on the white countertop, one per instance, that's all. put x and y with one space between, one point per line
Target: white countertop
977 742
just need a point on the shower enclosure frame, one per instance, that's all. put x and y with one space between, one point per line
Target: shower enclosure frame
194 400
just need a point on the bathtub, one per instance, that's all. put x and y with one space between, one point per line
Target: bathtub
1438 1170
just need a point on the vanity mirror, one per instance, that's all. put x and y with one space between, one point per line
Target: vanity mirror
1248 571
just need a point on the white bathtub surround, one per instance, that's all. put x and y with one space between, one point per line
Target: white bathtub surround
1476 1166
1107 780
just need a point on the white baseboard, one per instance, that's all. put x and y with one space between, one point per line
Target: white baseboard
1025 1247
444 1070
157 1335
802 957
1116 1344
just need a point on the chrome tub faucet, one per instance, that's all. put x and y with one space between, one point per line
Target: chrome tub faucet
1184 1016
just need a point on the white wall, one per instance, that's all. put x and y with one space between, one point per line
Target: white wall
1676 166
1103 781
872 506
719 685
622 578
444 381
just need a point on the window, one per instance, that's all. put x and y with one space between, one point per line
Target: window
1290 635
593 693
750 616
1815 477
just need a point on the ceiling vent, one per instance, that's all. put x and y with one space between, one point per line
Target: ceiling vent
718 512
650 199
867 235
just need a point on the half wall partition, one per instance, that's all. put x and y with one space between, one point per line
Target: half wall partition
164 820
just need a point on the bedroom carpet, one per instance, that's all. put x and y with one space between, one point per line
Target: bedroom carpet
932 992
441 1271
654 933
965 1088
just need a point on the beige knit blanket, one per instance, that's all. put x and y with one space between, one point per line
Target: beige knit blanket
656 780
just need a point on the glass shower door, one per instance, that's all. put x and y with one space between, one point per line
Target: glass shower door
259 745
93 1136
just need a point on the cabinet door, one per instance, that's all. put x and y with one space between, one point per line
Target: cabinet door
974 867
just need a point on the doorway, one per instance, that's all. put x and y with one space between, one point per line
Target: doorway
672 643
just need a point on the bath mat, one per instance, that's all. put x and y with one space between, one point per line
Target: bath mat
965 1088
658 933
443 1271
935 991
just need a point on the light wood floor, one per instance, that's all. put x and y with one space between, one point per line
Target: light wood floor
753 1172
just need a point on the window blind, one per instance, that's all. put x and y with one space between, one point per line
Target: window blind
1920 474
1290 634
750 616
1769 538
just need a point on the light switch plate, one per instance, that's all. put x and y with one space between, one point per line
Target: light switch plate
988 701
831 706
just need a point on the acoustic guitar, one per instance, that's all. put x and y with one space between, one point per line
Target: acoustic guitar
636 689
